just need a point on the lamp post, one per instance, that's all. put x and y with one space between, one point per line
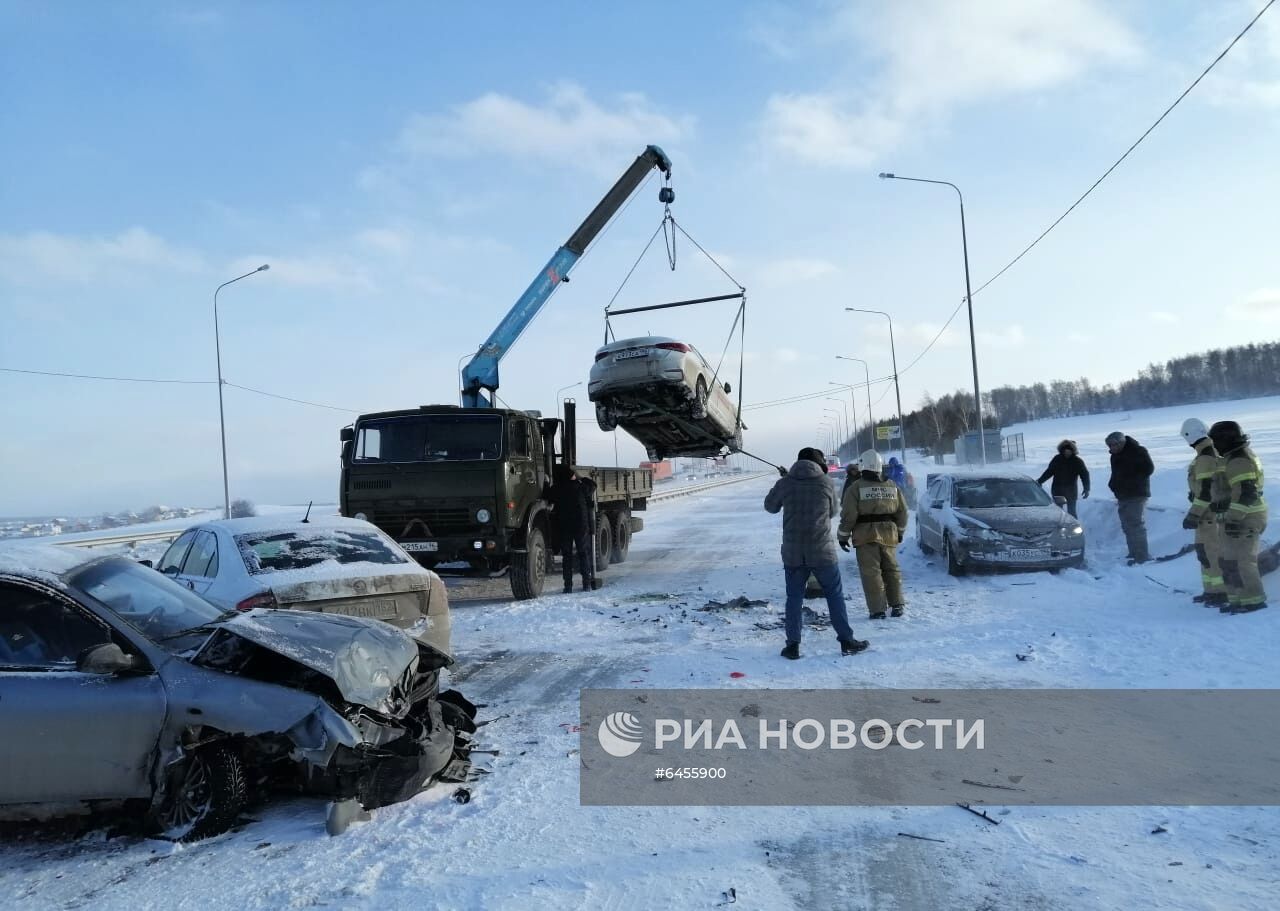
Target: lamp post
871 421
897 392
826 434
853 403
222 422
848 427
561 391
839 426
968 296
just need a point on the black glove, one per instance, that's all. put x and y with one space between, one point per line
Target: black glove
1235 529
1190 522
844 544
899 536
1191 498
1085 495
782 472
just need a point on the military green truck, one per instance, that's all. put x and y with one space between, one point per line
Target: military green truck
465 490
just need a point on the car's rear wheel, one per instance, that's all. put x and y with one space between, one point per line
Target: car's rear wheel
605 418
206 795
954 566
699 410
529 569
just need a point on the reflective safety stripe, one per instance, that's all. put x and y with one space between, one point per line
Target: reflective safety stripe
1246 476
1240 507
1199 502
1205 475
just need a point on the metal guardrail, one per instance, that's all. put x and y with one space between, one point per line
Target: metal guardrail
710 485
141 537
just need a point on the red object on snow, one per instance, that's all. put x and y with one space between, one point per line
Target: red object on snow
736 674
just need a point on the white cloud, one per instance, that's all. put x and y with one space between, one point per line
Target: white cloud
1250 76
1263 304
1163 316
317 270
568 129
40 255
934 56
1011 336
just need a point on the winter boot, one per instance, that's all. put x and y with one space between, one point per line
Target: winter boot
568 587
1201 599
898 610
878 615
853 646
1215 600
1246 608
791 650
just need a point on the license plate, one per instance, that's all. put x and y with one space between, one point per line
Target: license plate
420 546
1028 553
627 355
383 609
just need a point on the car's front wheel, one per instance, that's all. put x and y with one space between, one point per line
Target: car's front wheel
205 795
954 566
699 409
924 548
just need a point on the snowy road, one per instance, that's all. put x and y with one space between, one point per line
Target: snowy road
524 841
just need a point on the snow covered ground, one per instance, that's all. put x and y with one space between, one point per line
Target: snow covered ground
524 842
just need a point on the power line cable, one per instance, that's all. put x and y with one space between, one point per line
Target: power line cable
1043 234
115 379
286 398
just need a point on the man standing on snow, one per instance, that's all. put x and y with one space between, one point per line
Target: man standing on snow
1246 518
1066 469
873 517
1206 489
1131 471
807 501
573 504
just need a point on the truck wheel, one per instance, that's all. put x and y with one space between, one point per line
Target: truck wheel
529 569
604 542
207 795
621 536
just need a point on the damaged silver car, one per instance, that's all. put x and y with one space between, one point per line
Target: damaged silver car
118 685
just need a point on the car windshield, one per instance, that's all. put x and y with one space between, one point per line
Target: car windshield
156 606
994 493
276 551
429 438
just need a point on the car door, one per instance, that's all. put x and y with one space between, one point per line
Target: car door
171 563
720 408
933 512
200 568
69 735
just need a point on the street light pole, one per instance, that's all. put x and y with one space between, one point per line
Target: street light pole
968 296
848 427
560 391
222 422
871 421
839 425
853 402
897 392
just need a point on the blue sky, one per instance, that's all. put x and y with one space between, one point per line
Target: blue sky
407 168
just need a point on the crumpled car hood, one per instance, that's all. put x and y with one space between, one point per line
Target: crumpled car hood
366 659
1019 519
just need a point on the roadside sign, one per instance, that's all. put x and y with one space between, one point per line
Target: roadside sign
888 432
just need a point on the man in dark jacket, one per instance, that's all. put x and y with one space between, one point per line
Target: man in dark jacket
573 503
1066 469
1131 471
807 501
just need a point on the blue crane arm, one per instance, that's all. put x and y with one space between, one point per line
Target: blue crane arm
480 376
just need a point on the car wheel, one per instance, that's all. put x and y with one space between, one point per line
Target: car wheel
529 569
699 410
621 536
954 567
606 419
205 796
604 542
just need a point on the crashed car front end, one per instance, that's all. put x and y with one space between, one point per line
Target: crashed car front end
375 726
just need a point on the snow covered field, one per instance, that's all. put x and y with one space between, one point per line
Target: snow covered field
524 842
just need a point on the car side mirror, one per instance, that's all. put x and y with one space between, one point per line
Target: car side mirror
347 434
727 389
1060 501
107 658
147 563
936 504
170 570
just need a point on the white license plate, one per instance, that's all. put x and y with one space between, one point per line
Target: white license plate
420 546
1028 553
627 355
383 609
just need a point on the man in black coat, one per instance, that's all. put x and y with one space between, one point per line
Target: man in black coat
573 504
1066 469
1131 470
